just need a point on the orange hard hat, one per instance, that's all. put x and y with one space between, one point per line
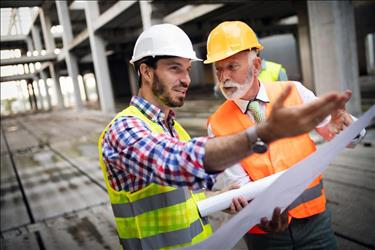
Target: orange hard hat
229 38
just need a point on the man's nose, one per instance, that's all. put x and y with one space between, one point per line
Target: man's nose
185 80
223 75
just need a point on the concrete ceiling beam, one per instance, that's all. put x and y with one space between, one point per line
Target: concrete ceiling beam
28 59
77 5
190 12
17 77
12 38
112 13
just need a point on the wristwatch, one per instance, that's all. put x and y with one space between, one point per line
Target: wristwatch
255 143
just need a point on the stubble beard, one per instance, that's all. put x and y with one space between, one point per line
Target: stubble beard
159 89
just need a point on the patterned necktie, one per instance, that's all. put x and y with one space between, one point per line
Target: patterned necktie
256 111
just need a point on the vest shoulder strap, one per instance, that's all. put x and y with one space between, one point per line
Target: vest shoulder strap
133 111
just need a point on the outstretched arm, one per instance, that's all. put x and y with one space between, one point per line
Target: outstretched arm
225 151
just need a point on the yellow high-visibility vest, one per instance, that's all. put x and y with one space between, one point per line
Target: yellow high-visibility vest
271 72
155 217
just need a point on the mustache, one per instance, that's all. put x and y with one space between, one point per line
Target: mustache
180 88
229 84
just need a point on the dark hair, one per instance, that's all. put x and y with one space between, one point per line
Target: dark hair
149 61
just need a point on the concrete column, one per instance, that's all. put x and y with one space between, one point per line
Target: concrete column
35 32
19 22
55 75
97 45
21 95
30 96
50 46
71 61
304 45
84 84
40 99
334 51
33 97
30 47
147 22
29 43
37 44
44 77
133 79
370 53
148 19
146 11
46 28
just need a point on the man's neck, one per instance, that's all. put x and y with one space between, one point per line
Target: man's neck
253 91
156 102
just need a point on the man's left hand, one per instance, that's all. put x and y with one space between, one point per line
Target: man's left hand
238 203
278 223
340 119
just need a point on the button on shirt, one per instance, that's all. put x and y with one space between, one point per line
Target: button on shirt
236 174
136 157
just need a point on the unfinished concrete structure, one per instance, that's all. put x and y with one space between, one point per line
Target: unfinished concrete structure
54 154
98 37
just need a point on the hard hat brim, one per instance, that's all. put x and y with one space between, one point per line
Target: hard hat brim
223 56
193 58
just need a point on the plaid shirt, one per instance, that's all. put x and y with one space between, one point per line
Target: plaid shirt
135 157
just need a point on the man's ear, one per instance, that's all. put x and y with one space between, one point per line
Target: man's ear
257 64
146 72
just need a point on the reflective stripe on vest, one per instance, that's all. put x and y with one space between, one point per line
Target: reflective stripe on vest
165 239
148 217
150 203
282 154
307 195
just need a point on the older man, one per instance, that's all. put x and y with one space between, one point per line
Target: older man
233 48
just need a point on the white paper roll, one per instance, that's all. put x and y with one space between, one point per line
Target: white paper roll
223 200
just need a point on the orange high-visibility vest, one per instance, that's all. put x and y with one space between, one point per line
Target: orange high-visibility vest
281 154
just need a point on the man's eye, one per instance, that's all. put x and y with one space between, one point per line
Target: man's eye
232 67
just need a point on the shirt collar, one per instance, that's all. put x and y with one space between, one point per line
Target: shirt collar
261 96
151 111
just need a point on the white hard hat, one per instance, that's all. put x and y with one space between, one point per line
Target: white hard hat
163 40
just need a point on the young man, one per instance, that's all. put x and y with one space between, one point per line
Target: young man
152 167
233 48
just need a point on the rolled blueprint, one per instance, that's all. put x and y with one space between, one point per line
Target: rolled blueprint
223 200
